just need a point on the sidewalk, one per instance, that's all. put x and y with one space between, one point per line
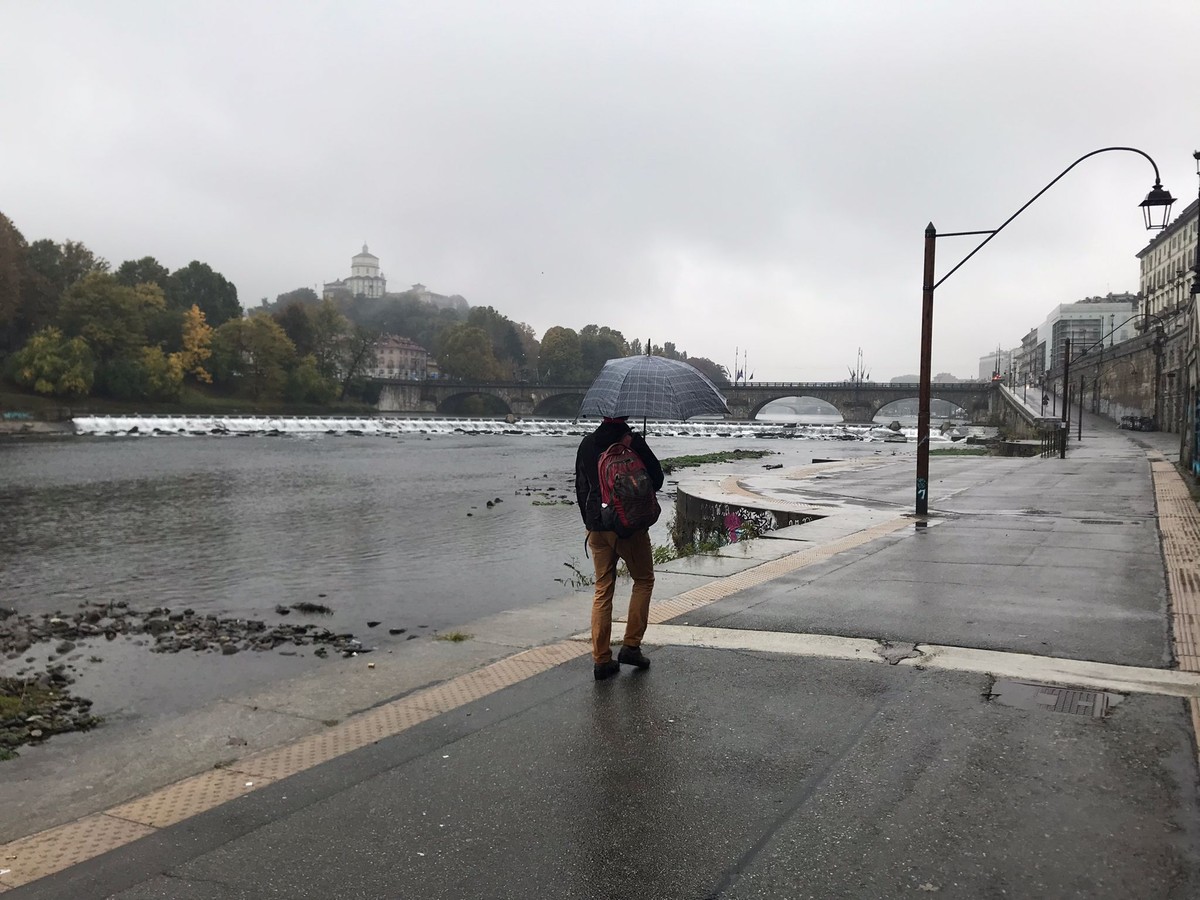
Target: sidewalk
831 712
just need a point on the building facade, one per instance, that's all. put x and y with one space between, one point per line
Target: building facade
365 278
1166 266
998 362
1167 271
1088 323
400 357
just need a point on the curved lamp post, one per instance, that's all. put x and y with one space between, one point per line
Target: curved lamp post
1156 209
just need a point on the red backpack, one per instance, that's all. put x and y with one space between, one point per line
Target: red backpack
627 500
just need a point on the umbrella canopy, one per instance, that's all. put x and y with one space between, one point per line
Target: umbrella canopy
651 387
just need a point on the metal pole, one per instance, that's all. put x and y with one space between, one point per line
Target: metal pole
1079 436
926 365
1066 416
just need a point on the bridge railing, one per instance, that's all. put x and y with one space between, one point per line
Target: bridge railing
800 386
870 385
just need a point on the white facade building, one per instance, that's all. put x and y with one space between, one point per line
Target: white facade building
1086 323
365 278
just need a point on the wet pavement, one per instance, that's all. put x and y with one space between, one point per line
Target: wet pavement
742 772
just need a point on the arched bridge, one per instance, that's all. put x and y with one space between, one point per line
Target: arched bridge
858 402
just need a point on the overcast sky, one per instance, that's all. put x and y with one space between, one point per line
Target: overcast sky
746 175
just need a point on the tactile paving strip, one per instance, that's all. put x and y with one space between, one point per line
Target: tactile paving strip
57 848
38 855
726 587
186 798
1179 528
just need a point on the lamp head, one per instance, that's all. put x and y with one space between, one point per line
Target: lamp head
1156 208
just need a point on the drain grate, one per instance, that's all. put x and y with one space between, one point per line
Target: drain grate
1073 701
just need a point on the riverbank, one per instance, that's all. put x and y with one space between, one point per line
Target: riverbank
30 428
194 402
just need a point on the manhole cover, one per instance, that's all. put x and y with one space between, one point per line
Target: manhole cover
1100 522
1048 697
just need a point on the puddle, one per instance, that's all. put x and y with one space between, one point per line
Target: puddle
1051 698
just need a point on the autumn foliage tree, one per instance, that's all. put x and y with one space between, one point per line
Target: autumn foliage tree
197 345
53 364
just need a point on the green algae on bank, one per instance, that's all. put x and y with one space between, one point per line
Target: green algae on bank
687 462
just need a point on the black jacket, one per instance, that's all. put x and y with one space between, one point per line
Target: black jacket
587 467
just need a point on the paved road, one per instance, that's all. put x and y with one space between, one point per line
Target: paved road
743 772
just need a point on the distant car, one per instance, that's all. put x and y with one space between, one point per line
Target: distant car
1138 423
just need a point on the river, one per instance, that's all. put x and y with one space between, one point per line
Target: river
391 530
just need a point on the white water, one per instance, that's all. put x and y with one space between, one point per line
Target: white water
388 426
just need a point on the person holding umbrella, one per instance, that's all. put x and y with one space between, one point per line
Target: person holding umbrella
606 547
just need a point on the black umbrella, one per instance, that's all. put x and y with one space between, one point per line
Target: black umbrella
652 387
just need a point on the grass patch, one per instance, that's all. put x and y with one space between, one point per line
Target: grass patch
687 462
454 637
957 451
578 578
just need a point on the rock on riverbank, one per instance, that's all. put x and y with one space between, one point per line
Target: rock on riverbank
32 709
34 706
172 631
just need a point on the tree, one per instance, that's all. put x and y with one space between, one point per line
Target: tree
507 347
329 327
161 375
305 384
560 359
714 372
111 317
304 296
252 354
196 284
146 270
53 364
530 346
197 345
13 271
296 320
597 345
409 316
358 358
465 351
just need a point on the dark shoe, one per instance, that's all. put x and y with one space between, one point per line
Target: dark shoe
633 656
606 669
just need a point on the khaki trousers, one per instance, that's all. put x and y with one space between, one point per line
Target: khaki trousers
606 548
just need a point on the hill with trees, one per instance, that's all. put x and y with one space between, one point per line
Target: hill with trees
72 327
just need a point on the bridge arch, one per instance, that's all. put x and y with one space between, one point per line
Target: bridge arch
474 401
939 407
559 404
802 401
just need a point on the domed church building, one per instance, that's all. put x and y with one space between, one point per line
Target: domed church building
365 278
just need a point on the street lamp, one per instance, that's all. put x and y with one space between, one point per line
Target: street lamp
1156 209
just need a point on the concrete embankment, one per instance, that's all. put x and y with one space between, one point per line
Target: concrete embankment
34 428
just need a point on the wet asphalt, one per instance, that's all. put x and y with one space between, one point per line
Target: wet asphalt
739 774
